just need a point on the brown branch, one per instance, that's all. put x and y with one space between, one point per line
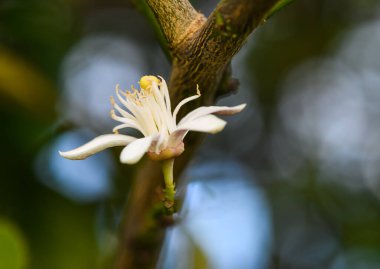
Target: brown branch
141 237
203 59
202 51
176 18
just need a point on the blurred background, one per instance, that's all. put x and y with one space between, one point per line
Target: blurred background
292 182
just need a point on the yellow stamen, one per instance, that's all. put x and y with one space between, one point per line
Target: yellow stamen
147 81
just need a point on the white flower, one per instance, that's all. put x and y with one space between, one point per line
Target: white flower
149 111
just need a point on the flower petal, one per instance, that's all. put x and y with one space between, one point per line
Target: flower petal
176 138
206 124
205 110
161 140
132 153
184 101
97 144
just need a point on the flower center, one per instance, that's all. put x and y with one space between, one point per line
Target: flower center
137 96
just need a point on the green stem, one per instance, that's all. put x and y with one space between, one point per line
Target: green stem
169 191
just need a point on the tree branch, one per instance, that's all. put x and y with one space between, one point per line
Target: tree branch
202 59
201 52
176 18
141 236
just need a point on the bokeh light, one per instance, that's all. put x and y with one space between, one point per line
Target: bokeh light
90 74
225 216
83 181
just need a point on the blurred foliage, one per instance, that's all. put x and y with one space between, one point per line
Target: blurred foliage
305 30
26 86
39 228
13 248
40 31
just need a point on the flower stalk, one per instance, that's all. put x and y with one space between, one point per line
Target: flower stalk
169 190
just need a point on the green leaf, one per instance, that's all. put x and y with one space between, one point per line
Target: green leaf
277 7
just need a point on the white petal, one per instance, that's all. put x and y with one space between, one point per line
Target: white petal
184 101
177 137
205 110
97 144
206 124
132 153
161 140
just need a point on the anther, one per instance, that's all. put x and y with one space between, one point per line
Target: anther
198 91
